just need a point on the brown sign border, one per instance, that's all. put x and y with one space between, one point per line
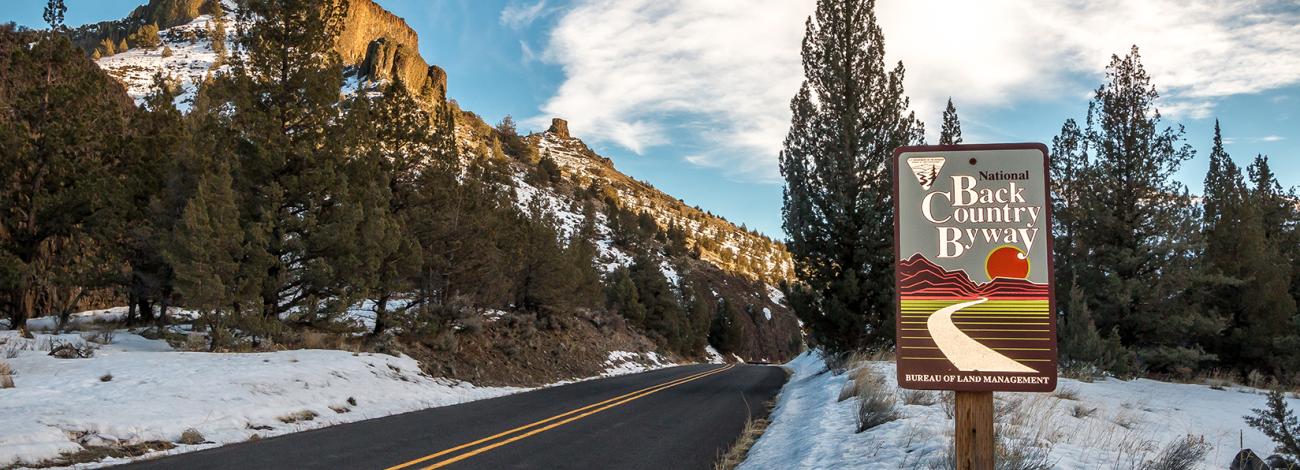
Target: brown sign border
894 168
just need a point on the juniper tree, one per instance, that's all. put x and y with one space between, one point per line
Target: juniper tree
158 180
950 134
280 104
393 142
63 136
206 250
1139 225
848 116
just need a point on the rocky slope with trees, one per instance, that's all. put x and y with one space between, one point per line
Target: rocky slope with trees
280 178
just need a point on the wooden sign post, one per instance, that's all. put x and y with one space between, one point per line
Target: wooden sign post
975 311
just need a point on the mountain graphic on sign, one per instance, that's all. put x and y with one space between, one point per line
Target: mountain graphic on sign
926 170
919 276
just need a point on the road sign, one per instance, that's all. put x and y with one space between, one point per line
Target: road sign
973 246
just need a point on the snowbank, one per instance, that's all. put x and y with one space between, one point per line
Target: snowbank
1121 423
625 362
156 393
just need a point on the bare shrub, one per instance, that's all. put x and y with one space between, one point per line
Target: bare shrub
1256 379
340 409
195 342
1080 411
69 350
472 324
191 437
919 397
1180 454
101 335
106 378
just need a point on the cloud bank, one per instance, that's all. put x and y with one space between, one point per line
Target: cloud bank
717 76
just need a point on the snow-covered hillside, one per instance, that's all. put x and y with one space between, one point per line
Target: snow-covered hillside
746 253
1102 425
186 57
65 406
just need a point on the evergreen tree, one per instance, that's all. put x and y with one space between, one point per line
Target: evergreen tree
63 135
1137 225
848 117
950 134
623 297
158 182
206 250
394 141
280 105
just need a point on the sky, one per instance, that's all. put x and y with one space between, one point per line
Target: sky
693 96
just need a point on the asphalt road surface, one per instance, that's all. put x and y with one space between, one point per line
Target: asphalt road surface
675 418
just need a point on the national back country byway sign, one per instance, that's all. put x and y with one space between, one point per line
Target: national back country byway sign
973 246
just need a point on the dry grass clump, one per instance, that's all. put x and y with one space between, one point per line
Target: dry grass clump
877 404
304 415
6 375
739 449
919 397
101 335
1067 393
1180 454
1081 411
1220 379
191 437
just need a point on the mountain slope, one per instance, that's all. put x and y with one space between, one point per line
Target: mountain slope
737 267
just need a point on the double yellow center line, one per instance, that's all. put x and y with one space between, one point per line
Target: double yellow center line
561 419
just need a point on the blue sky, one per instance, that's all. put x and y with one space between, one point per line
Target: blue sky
692 96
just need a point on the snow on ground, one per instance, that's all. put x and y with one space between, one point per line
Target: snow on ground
81 320
190 61
626 362
156 393
670 273
767 313
1132 422
713 356
775 295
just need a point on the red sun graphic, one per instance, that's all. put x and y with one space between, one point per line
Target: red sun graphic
1007 261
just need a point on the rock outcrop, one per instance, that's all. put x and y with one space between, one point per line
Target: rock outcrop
560 128
387 49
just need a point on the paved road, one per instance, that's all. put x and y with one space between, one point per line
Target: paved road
679 418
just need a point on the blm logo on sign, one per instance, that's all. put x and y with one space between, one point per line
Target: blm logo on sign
926 170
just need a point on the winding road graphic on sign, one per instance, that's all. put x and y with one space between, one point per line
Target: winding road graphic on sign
964 352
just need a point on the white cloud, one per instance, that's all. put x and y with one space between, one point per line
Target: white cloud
720 74
1272 138
519 15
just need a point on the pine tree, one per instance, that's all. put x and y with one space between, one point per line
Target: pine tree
950 134
847 118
